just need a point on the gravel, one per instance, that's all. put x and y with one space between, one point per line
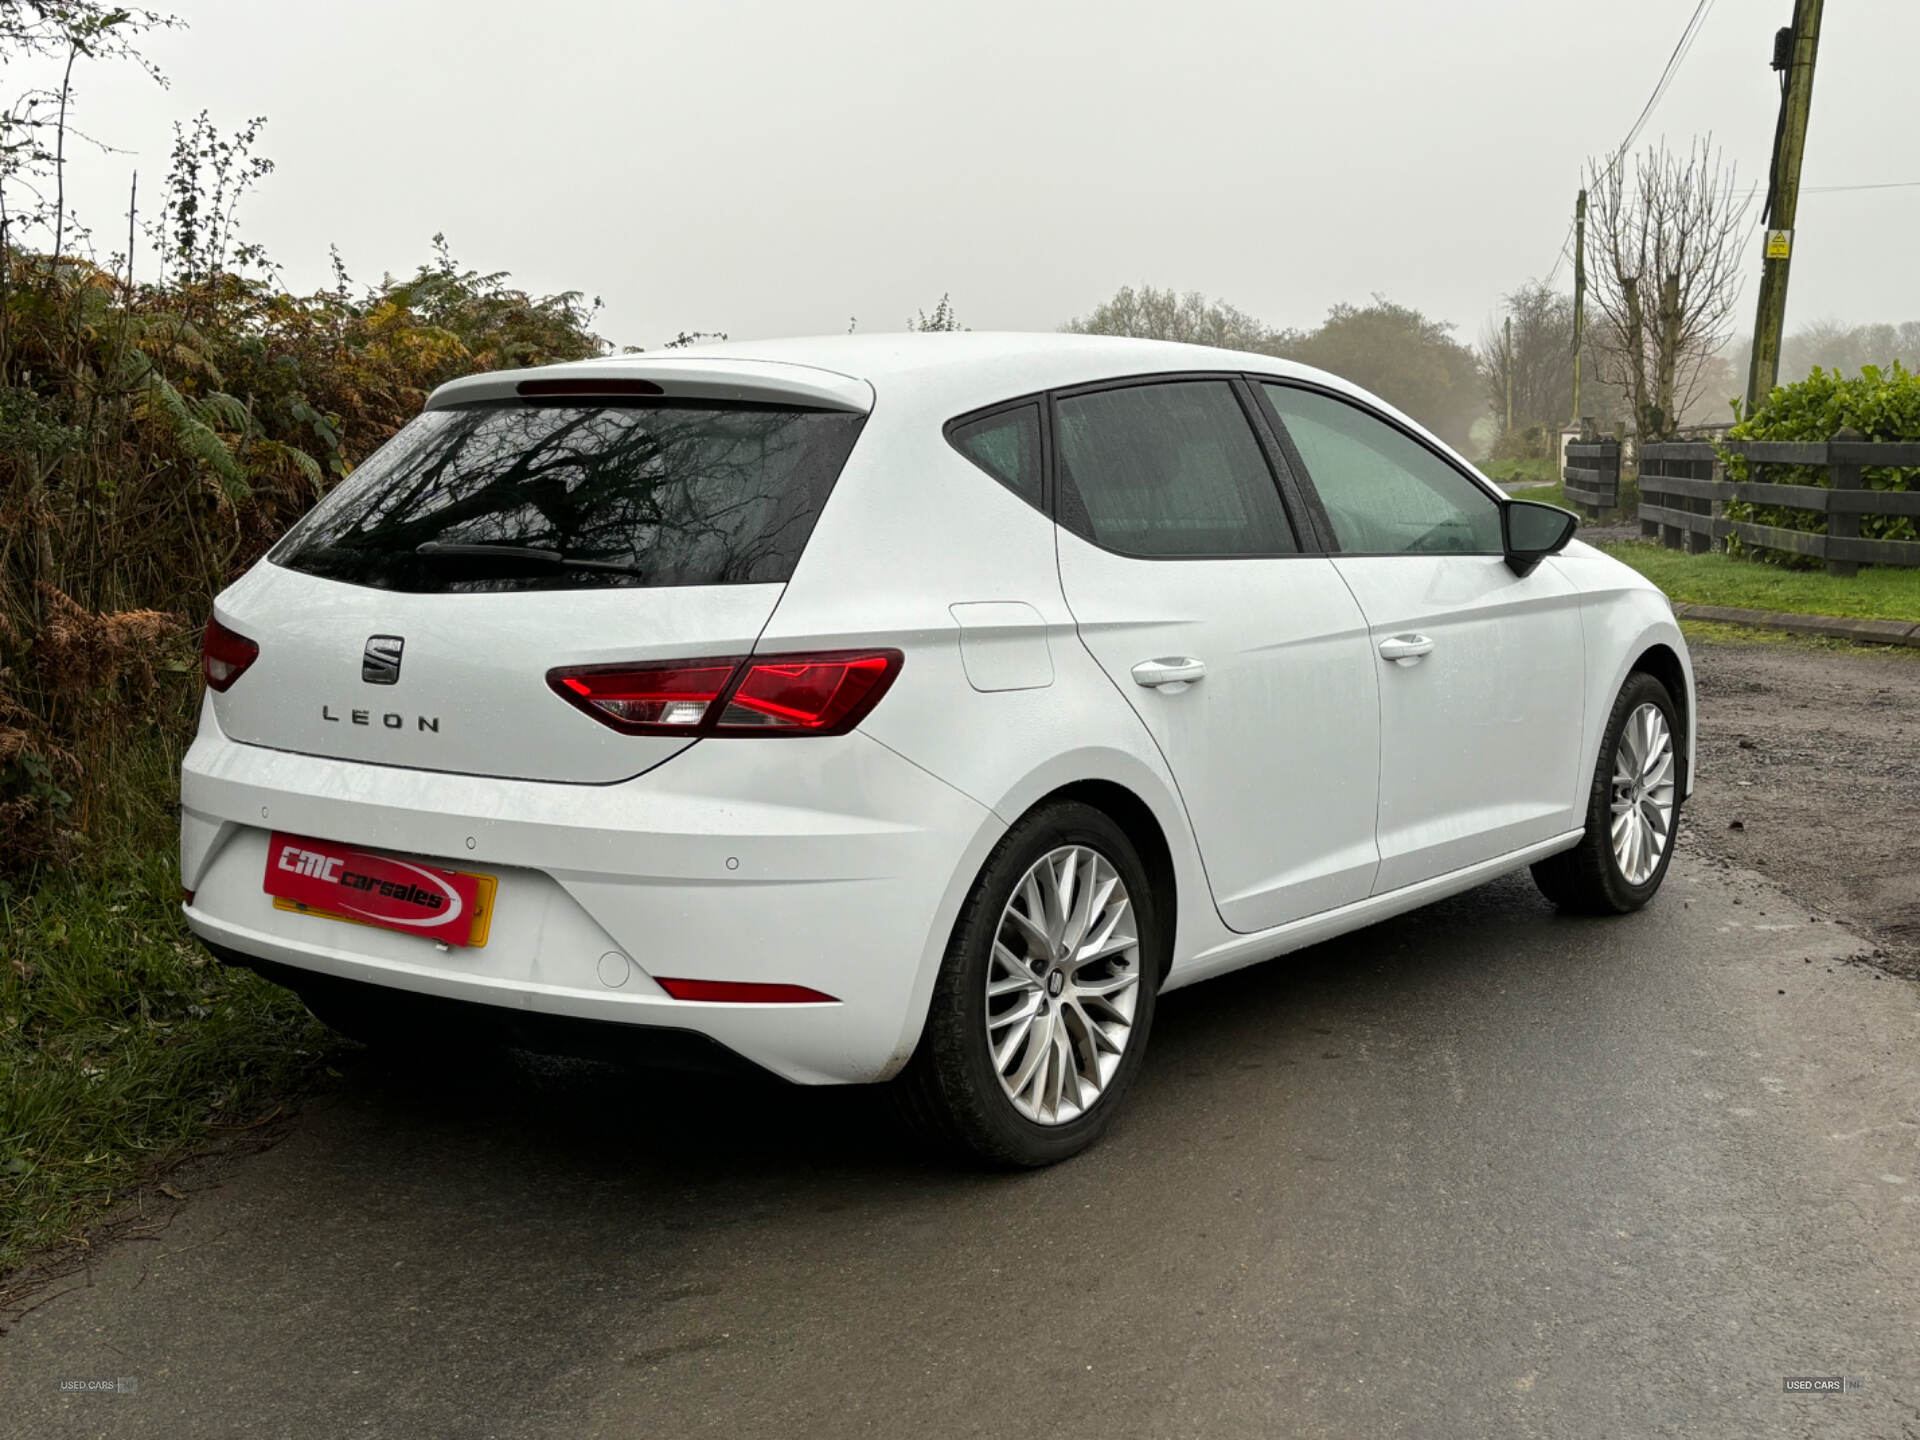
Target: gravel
1809 772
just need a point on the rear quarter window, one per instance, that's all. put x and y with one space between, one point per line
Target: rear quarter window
650 495
1007 446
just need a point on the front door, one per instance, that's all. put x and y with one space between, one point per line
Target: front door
1248 661
1481 671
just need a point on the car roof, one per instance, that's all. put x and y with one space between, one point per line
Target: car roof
965 369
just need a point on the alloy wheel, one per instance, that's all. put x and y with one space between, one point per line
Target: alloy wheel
1062 985
1643 794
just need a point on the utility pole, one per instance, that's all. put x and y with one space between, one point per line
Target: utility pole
1793 53
1579 296
1509 370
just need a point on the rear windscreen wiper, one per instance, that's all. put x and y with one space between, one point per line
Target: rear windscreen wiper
435 550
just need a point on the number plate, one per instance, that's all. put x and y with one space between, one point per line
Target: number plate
338 882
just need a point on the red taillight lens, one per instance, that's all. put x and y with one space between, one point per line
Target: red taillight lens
825 694
745 992
671 699
807 694
224 655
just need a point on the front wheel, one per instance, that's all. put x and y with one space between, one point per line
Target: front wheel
1633 810
1041 1010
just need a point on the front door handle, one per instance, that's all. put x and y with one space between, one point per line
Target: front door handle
1406 649
1169 674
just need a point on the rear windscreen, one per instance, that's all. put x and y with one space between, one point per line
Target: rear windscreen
608 495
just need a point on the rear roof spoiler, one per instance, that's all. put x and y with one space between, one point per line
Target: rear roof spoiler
692 377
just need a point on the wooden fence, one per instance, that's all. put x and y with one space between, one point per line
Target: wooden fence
1593 474
1684 493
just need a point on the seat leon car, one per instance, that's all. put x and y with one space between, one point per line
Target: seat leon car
905 708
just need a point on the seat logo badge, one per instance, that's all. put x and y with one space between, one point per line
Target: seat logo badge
380 663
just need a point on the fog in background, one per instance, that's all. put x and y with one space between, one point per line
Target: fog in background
777 168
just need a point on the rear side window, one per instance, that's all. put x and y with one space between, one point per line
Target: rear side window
593 495
1007 447
1168 470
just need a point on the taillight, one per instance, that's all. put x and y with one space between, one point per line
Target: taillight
224 655
675 699
807 694
826 694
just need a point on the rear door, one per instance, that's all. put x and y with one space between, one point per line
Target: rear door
412 619
1246 658
1481 671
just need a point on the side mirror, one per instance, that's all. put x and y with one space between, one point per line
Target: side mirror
1530 532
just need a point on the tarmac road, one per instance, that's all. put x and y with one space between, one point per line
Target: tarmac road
1482 1171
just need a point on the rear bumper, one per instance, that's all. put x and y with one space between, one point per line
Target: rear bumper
831 863
413 1013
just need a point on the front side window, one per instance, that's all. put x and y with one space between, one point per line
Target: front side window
1007 447
1168 469
1384 492
590 495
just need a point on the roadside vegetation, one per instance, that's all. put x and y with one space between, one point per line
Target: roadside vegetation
1874 404
1876 594
1534 470
157 433
123 1044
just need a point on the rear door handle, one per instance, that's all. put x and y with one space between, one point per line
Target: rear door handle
1405 649
1169 674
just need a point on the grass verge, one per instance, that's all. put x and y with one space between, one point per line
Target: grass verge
123 1044
1876 594
1711 632
1508 472
1554 494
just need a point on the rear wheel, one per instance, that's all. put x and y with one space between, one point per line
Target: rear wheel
1633 810
1041 1010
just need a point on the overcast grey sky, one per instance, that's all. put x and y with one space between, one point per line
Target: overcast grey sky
772 167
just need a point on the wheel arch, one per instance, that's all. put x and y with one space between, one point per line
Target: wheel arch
1142 827
1661 662
1141 799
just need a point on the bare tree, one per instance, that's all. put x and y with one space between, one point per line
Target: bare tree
1666 244
1542 358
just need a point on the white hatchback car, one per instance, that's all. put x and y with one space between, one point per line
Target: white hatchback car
1109 666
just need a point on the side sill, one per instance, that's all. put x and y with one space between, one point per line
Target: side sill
1244 950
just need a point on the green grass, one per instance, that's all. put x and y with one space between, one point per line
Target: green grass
1527 479
1554 494
1876 594
1710 632
1505 472
123 1044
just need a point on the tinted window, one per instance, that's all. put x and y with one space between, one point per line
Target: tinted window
683 494
1007 447
1168 469
1384 491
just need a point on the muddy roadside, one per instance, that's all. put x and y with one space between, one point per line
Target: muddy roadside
1809 772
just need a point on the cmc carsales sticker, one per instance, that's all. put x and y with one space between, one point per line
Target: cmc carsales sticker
376 889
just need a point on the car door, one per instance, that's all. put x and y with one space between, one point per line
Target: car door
1481 670
1247 659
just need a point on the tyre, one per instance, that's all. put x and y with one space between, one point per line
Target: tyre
1633 810
1041 1011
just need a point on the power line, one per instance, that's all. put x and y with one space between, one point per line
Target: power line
1695 23
1836 189
1674 62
